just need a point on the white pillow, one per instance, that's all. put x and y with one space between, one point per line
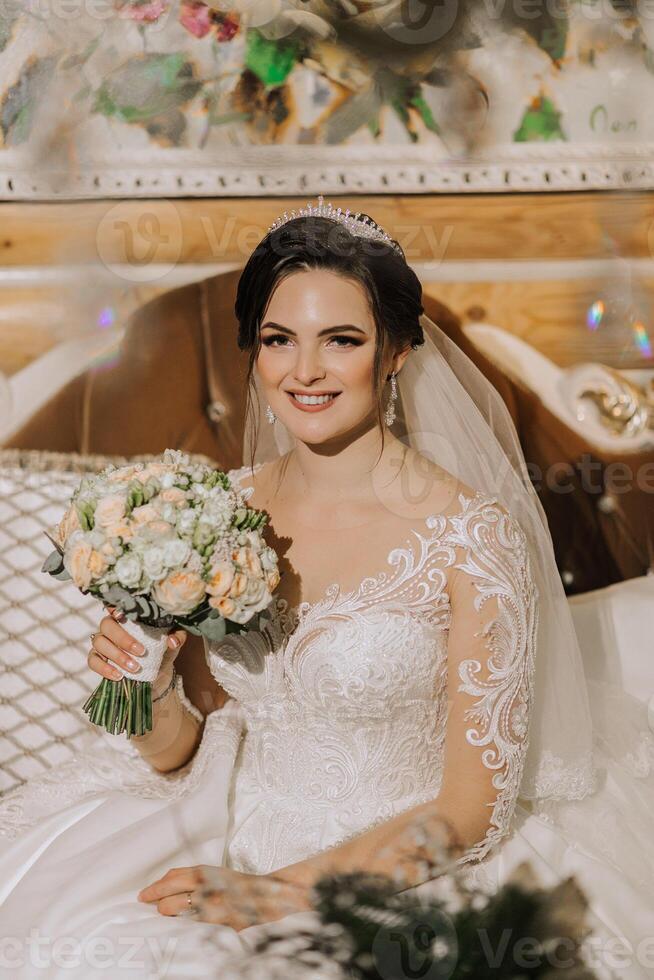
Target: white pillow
45 623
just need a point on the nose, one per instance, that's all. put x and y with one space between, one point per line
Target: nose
308 366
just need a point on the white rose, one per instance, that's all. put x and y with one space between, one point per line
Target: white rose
154 562
186 521
268 558
255 592
175 552
128 571
167 511
96 538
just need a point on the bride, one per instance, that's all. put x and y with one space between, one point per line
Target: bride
418 659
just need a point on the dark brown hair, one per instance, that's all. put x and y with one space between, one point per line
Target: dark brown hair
394 291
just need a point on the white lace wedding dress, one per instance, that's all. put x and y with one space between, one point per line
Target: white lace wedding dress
338 720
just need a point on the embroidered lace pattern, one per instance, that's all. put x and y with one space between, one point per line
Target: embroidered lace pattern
345 702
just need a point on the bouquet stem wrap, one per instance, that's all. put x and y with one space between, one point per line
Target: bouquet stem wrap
126 705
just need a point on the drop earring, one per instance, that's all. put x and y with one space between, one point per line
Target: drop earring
270 415
389 416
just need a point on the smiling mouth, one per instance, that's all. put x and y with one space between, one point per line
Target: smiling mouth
311 401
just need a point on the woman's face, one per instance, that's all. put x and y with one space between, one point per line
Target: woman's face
318 338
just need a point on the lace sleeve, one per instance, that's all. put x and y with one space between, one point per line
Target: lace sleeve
490 672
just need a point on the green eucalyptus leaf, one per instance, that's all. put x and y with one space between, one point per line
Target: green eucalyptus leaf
213 629
53 563
144 606
116 595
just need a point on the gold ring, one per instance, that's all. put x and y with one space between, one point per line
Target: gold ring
191 907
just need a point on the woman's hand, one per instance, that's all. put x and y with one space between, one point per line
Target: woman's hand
224 896
114 645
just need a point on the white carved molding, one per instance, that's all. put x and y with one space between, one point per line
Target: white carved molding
264 171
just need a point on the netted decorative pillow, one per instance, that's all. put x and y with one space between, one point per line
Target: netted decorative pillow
44 623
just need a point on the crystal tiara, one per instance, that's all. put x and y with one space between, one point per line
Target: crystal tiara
361 227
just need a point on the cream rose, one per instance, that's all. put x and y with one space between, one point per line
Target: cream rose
97 564
180 592
159 527
108 550
68 523
120 530
144 513
77 562
224 605
251 563
255 592
222 576
151 470
109 510
238 585
173 496
123 475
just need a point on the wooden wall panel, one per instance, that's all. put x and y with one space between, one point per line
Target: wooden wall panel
432 226
531 263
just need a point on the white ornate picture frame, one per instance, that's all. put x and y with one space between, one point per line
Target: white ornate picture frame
176 98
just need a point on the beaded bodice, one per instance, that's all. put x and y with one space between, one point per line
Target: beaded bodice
345 700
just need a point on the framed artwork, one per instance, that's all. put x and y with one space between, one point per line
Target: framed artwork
165 98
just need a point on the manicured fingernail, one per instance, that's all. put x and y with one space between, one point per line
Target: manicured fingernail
174 641
137 648
133 665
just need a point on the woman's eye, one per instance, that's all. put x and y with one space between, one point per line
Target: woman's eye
269 341
348 340
275 336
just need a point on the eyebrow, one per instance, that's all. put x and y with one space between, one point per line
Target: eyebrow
322 333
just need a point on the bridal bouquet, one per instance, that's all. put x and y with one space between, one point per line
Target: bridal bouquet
174 546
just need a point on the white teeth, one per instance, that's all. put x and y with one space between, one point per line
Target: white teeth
313 399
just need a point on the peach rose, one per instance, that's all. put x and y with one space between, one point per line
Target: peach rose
180 592
251 563
239 584
173 495
222 576
108 550
97 564
152 469
144 513
223 604
123 475
77 563
120 530
158 526
272 579
68 523
109 510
